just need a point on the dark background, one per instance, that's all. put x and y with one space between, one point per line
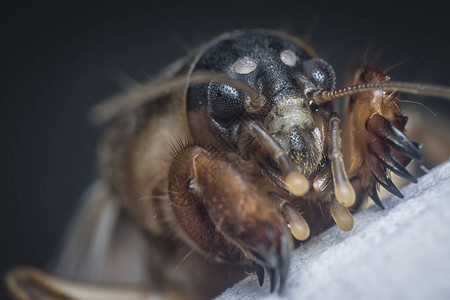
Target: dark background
58 60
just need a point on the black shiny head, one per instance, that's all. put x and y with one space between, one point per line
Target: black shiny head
275 66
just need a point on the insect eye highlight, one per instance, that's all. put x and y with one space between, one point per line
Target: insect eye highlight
320 73
245 65
288 57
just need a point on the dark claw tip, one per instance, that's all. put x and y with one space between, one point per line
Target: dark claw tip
259 270
386 131
385 155
374 195
387 183
273 279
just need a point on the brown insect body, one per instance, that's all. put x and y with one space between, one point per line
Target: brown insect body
227 189
198 214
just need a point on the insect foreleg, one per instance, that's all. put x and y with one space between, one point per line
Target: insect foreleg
224 215
375 138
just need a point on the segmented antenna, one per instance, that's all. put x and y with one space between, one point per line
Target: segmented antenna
324 96
136 97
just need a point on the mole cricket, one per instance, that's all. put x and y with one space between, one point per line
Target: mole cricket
222 164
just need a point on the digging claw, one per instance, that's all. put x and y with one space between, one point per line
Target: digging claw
284 262
246 217
386 156
387 183
383 129
374 195
273 279
275 261
259 270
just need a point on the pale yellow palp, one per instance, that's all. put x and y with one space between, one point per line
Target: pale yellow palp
341 215
297 224
297 183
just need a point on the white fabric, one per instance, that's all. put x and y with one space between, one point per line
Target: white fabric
402 252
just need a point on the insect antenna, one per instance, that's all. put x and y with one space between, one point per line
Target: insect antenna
142 94
324 96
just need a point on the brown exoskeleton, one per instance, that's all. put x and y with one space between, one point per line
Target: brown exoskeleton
258 156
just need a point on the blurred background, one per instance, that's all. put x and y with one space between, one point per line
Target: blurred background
58 60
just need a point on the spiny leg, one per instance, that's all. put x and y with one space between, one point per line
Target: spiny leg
375 142
218 212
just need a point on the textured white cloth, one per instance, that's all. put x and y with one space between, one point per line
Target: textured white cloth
402 252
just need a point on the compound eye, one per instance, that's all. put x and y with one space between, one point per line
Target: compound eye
224 101
245 65
320 73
